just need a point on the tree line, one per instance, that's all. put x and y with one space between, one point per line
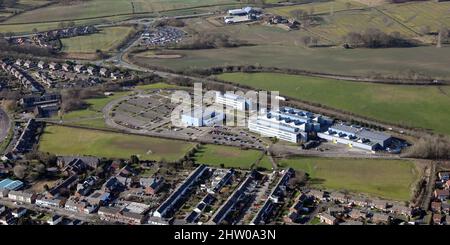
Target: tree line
430 147
7 3
209 41
375 38
5 46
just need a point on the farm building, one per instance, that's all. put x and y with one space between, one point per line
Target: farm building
244 11
242 15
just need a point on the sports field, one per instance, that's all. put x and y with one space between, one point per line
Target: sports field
417 106
108 39
391 179
231 157
72 141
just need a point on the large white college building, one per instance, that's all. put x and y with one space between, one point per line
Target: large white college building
271 127
233 101
202 117
288 124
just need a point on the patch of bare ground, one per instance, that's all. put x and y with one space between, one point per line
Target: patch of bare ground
38 187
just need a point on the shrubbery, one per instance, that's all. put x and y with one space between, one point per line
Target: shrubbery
430 147
210 40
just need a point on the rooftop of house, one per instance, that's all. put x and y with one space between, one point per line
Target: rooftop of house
100 195
89 160
442 192
151 182
109 210
326 216
26 194
351 222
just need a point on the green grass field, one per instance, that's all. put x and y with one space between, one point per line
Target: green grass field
159 85
394 61
391 179
342 16
317 8
93 115
276 47
72 141
419 14
265 163
231 157
105 11
418 106
108 39
45 26
339 24
101 8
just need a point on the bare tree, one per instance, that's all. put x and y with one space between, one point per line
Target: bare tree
19 171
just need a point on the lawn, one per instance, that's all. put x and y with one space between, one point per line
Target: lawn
231 157
93 115
159 85
390 179
265 163
108 39
110 144
417 106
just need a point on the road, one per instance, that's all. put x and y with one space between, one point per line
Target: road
58 211
5 125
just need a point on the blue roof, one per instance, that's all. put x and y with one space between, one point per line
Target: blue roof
4 183
10 184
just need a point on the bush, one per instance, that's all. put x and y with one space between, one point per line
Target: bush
169 22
